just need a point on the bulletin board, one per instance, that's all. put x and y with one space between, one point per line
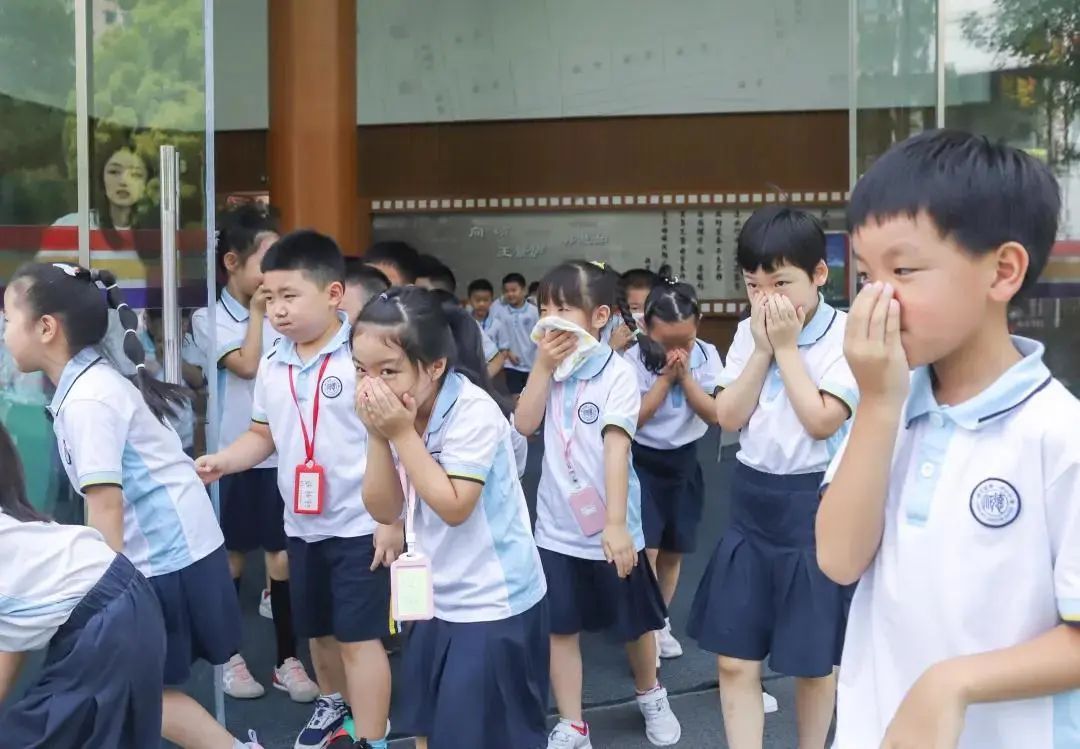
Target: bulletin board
698 243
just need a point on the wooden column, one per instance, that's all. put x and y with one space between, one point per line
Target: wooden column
312 148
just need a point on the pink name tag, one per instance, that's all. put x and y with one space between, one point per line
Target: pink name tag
412 590
589 510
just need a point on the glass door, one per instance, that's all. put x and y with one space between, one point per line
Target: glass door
92 94
148 135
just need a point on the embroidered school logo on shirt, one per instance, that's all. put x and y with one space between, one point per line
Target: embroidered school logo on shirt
995 503
588 413
331 387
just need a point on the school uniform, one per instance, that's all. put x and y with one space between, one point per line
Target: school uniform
517 324
665 454
332 589
494 331
252 513
107 436
763 592
586 592
477 674
980 552
64 589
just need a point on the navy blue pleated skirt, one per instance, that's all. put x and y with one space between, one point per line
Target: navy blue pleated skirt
202 615
763 593
672 496
101 682
587 595
483 685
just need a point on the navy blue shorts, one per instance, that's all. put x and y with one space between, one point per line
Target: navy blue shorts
672 495
515 380
763 593
252 511
483 685
588 595
335 593
202 615
101 682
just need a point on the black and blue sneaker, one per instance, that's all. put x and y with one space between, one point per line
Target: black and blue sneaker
328 717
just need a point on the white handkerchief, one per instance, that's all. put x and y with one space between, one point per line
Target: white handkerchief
585 343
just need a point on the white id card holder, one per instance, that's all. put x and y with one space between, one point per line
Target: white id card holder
412 590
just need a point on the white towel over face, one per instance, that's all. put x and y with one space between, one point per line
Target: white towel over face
585 343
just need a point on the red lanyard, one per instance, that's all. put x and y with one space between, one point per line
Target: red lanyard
309 443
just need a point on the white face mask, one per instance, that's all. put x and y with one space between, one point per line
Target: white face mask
639 318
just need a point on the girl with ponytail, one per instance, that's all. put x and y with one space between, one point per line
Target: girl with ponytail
588 504
439 447
678 376
141 490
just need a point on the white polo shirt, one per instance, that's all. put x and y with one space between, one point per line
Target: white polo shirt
340 442
980 551
235 394
517 324
107 435
494 329
675 423
775 441
602 393
48 570
489 347
487 568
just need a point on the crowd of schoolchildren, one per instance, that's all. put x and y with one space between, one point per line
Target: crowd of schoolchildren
904 535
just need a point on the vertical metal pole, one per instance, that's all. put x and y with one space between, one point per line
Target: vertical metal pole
82 128
939 108
209 196
853 128
170 217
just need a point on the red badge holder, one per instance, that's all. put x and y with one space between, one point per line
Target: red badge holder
309 489
309 485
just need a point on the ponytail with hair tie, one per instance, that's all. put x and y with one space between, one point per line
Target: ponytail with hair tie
671 301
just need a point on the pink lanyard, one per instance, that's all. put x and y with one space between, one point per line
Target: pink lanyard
411 543
567 437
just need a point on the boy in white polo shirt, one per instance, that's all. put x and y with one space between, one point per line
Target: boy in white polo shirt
517 318
788 390
957 498
338 555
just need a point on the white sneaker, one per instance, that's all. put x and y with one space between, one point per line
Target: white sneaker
771 706
238 682
565 736
253 741
662 728
292 678
666 644
266 611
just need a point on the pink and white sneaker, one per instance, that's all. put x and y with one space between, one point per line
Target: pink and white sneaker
237 681
291 677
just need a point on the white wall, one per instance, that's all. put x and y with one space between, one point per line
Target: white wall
445 60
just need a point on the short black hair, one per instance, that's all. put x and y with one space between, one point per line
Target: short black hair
533 287
514 278
978 193
397 254
481 284
306 250
440 276
372 280
640 278
779 235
